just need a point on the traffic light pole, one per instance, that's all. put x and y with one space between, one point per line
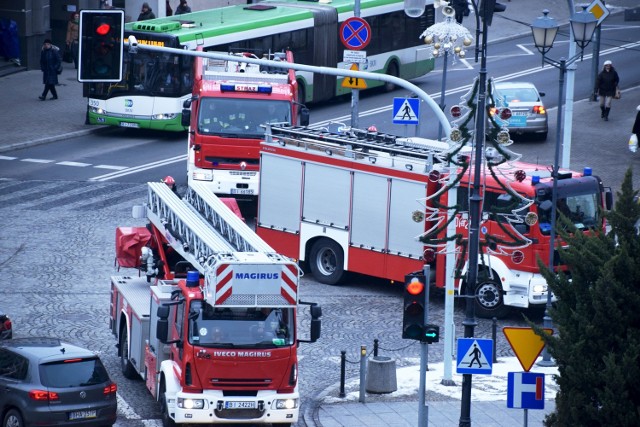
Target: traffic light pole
423 410
475 213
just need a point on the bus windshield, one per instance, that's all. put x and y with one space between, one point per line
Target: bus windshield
240 117
263 327
149 73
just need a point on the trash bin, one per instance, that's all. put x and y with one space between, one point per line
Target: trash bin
381 375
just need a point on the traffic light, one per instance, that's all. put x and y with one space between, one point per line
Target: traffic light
101 33
431 333
490 6
414 308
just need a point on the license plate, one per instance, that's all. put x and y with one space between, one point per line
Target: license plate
518 121
240 405
129 125
241 191
82 415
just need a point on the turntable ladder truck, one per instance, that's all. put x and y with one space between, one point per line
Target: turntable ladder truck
209 323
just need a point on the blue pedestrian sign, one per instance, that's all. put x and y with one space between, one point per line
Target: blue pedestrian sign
475 356
406 111
525 390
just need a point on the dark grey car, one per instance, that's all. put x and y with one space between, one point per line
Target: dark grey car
46 382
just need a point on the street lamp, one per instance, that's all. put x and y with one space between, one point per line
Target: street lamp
544 30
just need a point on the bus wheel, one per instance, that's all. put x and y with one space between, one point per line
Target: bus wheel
490 298
126 367
326 261
391 71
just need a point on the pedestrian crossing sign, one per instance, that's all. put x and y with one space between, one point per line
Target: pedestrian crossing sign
406 111
475 356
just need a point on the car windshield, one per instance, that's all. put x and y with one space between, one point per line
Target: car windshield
581 210
73 373
251 327
240 117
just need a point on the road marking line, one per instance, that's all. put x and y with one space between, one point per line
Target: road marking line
7 158
110 167
76 164
37 160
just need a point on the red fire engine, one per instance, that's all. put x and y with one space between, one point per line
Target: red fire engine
230 103
211 324
358 202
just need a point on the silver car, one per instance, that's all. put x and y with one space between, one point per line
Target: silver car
528 114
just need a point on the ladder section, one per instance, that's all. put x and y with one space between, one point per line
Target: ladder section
223 220
359 140
237 71
188 233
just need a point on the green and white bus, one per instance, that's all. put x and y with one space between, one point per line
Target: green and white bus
155 84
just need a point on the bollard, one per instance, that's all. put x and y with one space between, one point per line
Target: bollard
363 370
343 361
494 326
375 347
381 375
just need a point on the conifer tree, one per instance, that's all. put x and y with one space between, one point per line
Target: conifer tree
597 320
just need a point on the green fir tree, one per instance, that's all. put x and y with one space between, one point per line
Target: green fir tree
597 321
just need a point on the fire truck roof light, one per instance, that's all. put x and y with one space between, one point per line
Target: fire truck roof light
535 179
587 171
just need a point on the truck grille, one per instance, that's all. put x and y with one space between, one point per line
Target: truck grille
239 414
248 382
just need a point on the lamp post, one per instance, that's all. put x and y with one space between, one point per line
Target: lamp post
544 30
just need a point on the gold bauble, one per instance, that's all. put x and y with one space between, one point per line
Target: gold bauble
435 52
436 45
457 49
467 41
428 39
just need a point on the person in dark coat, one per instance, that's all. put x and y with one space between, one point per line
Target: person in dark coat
636 124
50 62
606 85
183 8
146 12
462 9
168 9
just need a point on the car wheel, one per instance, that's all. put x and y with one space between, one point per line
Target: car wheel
13 419
127 368
489 298
392 71
167 421
327 261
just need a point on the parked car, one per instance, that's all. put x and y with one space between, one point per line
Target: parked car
6 329
47 382
528 114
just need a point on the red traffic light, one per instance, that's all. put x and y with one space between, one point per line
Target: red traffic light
103 29
415 286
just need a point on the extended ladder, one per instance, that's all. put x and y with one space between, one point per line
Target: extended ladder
359 140
201 228
238 71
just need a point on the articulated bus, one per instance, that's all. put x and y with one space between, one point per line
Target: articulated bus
155 84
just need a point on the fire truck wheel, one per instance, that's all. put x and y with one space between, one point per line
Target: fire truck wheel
167 421
127 368
13 419
489 299
326 261
392 71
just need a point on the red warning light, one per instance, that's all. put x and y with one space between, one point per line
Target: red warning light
103 29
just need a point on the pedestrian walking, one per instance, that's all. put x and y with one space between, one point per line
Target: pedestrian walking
168 9
183 8
50 64
461 8
146 12
635 132
73 32
606 87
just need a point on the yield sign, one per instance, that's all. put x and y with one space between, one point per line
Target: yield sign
525 344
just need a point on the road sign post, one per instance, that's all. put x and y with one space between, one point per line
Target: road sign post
355 34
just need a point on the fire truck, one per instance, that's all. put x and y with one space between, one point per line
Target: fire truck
358 202
231 101
209 322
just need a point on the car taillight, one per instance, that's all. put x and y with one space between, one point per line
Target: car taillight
43 395
7 325
539 109
112 388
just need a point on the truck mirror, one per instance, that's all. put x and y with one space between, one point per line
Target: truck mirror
315 330
163 312
186 117
304 116
608 199
186 104
162 329
316 311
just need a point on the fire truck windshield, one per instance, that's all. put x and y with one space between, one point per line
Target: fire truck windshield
581 210
240 117
241 327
